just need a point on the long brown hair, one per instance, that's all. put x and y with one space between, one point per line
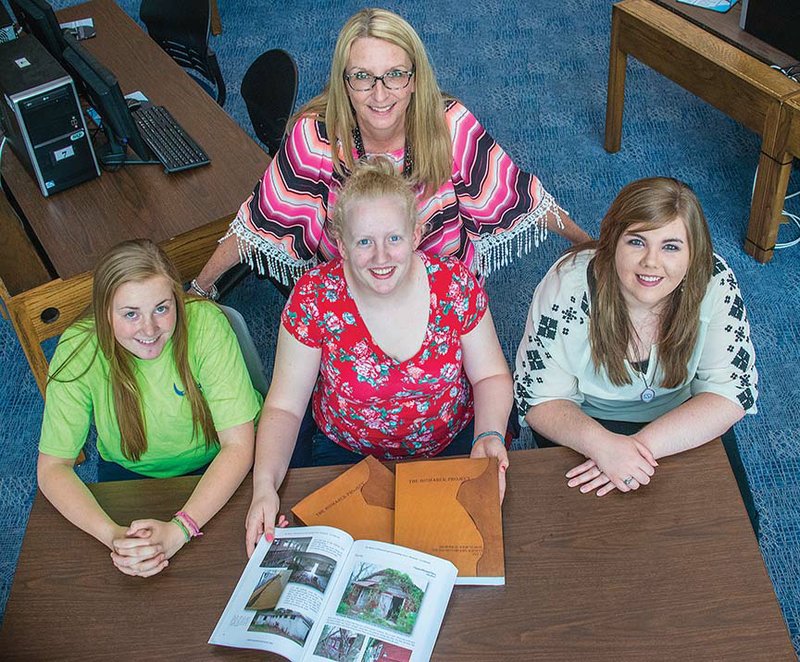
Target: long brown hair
135 261
426 128
648 204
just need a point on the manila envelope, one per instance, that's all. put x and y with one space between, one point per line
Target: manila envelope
360 501
451 508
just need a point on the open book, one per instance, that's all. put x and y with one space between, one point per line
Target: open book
314 594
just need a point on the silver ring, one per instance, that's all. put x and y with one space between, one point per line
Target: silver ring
628 480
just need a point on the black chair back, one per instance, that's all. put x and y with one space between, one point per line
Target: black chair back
182 29
269 89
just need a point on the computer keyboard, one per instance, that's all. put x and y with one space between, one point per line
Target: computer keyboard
171 144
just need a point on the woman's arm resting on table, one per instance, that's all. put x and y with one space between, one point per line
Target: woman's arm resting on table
696 422
293 379
70 496
488 373
214 489
700 419
612 457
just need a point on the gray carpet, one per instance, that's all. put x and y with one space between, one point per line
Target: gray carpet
535 74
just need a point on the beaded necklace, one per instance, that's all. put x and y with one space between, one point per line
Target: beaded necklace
408 158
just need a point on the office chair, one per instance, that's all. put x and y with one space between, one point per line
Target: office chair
269 90
251 358
181 28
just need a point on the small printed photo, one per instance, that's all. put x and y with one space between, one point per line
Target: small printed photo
268 591
282 622
383 651
283 548
339 644
312 570
383 596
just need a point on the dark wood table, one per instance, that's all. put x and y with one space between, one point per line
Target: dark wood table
185 212
670 572
723 72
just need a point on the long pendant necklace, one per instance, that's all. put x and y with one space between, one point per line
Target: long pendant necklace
408 158
648 393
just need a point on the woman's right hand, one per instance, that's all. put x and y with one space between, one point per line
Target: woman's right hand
135 553
261 519
624 461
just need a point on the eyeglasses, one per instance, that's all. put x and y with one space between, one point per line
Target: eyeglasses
396 79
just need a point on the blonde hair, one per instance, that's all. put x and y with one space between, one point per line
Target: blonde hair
648 204
136 261
426 129
373 178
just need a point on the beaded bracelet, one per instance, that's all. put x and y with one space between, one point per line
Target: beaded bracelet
182 527
193 528
489 433
211 293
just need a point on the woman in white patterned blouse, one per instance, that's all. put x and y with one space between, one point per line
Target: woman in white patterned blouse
637 346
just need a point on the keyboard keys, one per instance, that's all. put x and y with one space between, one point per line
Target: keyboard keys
171 144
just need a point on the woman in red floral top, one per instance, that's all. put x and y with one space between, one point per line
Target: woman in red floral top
398 347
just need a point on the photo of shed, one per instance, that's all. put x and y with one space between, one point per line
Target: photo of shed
383 651
339 644
386 597
283 622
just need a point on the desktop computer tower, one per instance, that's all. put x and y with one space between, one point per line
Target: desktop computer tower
42 118
776 22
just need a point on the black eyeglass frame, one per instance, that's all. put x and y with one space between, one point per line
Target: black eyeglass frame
375 79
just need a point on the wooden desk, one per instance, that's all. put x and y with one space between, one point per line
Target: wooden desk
184 212
741 86
672 571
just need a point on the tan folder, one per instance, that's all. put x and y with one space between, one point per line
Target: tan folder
360 501
451 508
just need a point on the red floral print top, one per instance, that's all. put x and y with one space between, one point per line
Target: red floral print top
367 401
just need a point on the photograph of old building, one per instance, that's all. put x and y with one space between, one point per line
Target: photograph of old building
386 597
339 644
284 623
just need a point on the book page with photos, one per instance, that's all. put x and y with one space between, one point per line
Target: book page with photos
282 591
388 605
306 597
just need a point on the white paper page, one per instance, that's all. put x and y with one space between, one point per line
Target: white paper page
388 604
282 590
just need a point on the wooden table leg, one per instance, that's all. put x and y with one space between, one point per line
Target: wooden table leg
772 181
27 338
216 22
615 101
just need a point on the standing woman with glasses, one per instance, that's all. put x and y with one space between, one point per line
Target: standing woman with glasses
382 99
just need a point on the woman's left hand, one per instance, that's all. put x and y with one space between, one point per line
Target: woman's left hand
147 546
588 476
493 447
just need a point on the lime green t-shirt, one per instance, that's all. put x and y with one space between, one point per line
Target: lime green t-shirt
216 363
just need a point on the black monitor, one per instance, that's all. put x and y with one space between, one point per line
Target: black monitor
37 18
102 91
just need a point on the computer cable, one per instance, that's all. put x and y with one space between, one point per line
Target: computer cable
2 145
792 71
794 218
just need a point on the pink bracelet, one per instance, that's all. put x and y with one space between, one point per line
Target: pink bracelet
190 523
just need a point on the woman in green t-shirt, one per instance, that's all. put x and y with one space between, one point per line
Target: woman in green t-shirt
162 377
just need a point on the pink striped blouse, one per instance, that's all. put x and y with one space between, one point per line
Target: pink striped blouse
487 213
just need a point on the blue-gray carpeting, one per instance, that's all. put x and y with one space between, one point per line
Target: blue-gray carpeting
535 74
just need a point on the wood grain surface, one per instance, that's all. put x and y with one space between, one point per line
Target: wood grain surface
671 571
76 226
